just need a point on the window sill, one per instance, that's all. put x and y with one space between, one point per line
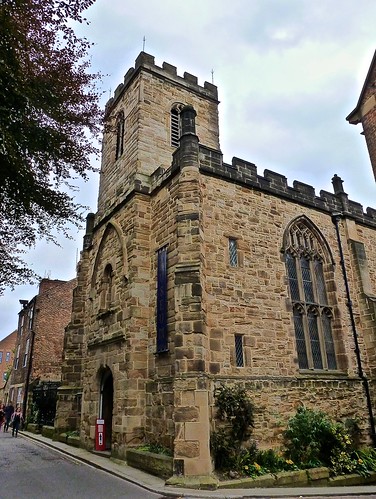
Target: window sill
102 314
323 373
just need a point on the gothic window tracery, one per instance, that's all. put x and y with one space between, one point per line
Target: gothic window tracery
306 258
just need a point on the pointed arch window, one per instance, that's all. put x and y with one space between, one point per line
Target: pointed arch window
175 125
119 135
306 254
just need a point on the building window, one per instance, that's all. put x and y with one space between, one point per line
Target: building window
19 395
7 357
162 338
239 354
306 256
17 359
5 376
233 252
21 323
175 124
1 357
11 394
26 352
120 125
31 315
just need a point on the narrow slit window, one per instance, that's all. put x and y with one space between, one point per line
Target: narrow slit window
239 352
162 338
119 135
233 252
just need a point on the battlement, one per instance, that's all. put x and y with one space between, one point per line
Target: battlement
147 62
245 173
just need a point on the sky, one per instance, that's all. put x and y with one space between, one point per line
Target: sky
288 73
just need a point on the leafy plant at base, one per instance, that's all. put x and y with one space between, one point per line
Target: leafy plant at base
309 438
236 410
155 448
312 439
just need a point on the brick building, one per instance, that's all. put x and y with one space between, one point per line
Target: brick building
39 343
365 112
7 346
195 273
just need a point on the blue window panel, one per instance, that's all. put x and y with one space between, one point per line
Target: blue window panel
300 340
162 337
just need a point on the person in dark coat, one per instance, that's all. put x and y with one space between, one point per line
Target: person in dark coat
16 421
2 415
9 410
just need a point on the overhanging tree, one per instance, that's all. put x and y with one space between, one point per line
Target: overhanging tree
49 120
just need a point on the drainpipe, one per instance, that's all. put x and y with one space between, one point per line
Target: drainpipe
336 217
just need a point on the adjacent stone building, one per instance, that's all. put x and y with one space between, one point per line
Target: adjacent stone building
7 346
39 344
196 273
365 112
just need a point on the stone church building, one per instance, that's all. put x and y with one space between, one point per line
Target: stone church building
196 273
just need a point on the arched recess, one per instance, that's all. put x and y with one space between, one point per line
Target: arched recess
100 257
106 402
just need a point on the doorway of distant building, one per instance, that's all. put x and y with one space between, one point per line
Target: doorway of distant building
106 404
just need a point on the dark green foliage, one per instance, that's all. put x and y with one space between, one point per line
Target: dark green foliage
309 438
155 448
235 409
49 115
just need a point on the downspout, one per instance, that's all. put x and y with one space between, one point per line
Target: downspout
336 217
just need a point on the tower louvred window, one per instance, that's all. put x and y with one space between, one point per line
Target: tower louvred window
175 124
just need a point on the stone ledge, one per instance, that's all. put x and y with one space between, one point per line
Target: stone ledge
194 482
155 464
315 477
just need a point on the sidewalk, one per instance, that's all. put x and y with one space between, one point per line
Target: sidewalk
154 484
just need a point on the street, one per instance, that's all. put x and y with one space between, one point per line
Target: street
31 470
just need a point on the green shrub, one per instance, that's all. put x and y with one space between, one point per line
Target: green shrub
311 437
235 410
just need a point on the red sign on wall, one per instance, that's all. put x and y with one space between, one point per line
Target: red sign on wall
100 437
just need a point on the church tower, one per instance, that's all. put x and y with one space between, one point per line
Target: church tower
135 350
143 126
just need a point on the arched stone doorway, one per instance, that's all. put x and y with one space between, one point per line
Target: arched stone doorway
106 404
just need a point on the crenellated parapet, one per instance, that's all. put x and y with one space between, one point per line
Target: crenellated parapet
245 173
167 71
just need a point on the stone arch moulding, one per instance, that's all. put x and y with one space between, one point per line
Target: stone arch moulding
120 235
326 252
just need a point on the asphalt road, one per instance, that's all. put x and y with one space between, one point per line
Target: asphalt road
30 470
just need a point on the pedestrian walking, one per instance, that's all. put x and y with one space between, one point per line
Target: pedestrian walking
2 415
16 421
9 410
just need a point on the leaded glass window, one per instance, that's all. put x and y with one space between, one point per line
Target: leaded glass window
305 251
233 252
239 355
